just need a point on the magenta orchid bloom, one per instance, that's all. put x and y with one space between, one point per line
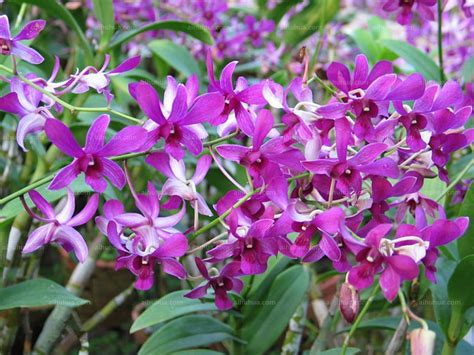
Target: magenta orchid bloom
59 227
234 98
225 281
445 140
348 173
256 29
12 46
93 160
98 80
145 239
141 251
177 183
441 232
435 98
261 158
25 102
367 94
178 120
387 257
423 7
252 245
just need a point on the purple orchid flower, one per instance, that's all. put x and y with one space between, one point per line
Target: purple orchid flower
382 190
381 255
179 120
145 239
296 120
93 158
423 7
445 140
141 251
348 172
12 46
59 227
234 98
177 183
252 245
440 233
263 160
368 94
25 102
225 281
98 80
435 98
256 29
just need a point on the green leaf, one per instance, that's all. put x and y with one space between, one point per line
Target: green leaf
467 71
419 60
186 333
439 291
263 282
309 20
170 306
466 242
197 352
194 30
272 313
459 292
175 55
366 44
104 11
280 9
58 11
37 293
337 351
432 188
461 297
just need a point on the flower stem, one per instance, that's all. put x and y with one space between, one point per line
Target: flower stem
359 318
440 42
67 105
456 179
111 306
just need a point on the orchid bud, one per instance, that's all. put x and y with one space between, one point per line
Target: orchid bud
349 302
422 341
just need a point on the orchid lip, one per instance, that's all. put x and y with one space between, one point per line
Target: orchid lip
356 94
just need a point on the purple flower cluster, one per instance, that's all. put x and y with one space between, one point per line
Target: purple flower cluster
234 32
339 180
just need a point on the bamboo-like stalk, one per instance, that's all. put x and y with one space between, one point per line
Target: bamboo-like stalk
294 335
56 322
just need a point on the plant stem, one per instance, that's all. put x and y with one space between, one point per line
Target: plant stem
359 318
456 180
111 306
440 42
67 105
222 216
323 84
56 322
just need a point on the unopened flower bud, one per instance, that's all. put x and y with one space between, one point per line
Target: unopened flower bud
349 302
422 341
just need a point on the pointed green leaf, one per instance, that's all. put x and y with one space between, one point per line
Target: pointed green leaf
104 11
37 293
186 333
268 317
466 242
170 306
419 60
194 30
175 55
